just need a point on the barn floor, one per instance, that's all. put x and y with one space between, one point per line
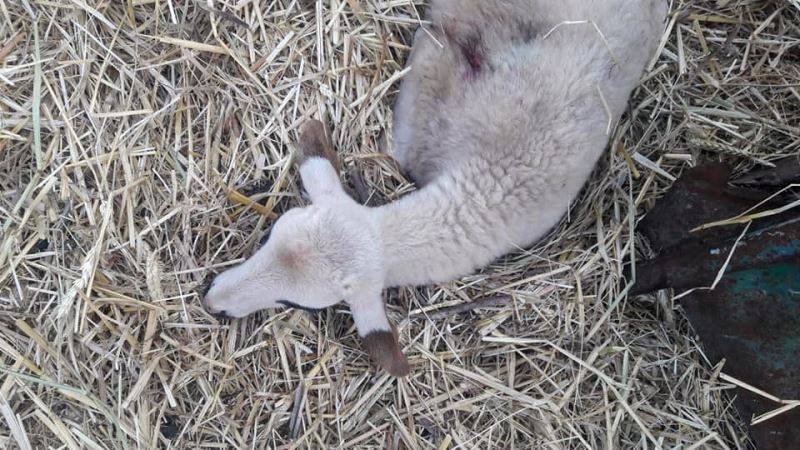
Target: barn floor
146 143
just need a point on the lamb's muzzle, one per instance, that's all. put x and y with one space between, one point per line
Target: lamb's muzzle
202 290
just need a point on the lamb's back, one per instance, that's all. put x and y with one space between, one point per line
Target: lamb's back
521 87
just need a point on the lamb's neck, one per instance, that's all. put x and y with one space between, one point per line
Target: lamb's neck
437 234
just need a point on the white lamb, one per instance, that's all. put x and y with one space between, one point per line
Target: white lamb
500 121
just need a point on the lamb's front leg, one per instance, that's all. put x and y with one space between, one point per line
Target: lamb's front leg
354 249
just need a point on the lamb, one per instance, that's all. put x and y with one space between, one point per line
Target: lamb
501 120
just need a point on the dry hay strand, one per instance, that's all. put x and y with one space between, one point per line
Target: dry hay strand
144 144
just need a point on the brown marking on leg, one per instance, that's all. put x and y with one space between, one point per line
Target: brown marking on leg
314 142
384 349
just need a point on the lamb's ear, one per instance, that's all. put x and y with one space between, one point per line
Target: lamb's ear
319 167
379 336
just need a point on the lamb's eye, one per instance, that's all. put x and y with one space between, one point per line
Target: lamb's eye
289 304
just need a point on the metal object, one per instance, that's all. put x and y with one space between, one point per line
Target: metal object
786 171
752 316
752 320
697 264
701 195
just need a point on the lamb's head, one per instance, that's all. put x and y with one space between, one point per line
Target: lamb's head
315 257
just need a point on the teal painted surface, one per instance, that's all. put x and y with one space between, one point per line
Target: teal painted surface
780 251
774 292
771 253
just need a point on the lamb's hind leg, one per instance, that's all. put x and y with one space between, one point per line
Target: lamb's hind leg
404 111
419 122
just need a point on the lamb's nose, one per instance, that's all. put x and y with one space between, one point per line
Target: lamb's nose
202 292
222 315
219 314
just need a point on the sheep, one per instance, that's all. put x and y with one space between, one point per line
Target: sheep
506 109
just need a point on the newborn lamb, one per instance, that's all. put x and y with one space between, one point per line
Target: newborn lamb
506 110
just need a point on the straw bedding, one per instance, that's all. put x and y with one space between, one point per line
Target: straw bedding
147 143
